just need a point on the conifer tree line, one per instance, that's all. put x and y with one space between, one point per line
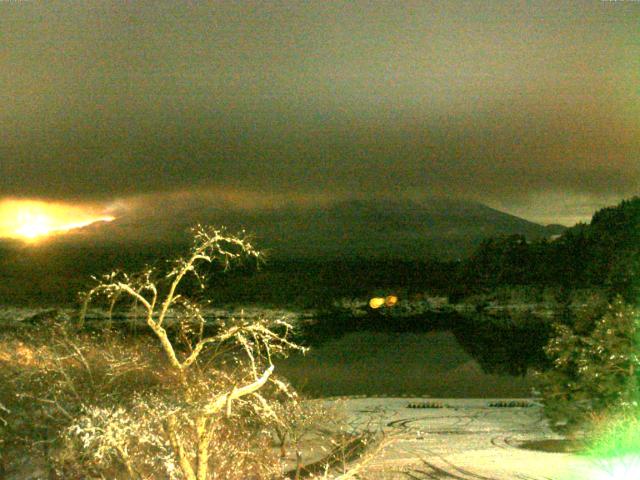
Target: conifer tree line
604 253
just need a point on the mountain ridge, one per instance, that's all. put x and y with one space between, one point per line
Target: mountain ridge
443 228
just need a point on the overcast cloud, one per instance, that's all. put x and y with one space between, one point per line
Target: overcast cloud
533 107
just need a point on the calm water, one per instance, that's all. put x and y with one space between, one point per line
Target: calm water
440 356
382 363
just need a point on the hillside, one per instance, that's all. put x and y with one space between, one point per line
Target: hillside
343 247
440 228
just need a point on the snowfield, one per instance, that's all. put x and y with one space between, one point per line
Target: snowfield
464 439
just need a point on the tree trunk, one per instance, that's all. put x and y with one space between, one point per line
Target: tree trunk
204 438
178 448
298 463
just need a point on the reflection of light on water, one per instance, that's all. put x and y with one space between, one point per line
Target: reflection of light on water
621 468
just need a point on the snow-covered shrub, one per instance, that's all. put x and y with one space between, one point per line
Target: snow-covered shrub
593 371
109 439
211 408
138 441
49 372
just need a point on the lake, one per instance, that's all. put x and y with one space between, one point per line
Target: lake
416 363
437 355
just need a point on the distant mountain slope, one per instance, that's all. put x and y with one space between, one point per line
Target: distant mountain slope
314 252
439 228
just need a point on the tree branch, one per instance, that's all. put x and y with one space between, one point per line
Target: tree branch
221 402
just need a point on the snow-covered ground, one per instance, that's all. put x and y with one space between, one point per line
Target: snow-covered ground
465 440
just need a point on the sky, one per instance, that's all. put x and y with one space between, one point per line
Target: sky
529 107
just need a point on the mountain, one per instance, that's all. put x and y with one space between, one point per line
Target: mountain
442 228
336 249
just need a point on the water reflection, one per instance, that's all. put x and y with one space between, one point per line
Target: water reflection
436 354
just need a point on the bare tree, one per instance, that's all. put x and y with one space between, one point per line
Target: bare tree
214 370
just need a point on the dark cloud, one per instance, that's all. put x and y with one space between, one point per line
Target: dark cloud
499 102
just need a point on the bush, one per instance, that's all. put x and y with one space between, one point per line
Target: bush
614 435
50 372
593 372
190 400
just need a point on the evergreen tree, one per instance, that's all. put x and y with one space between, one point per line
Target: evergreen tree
595 372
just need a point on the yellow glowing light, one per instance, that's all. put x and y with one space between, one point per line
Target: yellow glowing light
31 220
390 301
376 302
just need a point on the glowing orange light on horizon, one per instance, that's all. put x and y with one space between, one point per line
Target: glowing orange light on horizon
388 301
32 220
376 302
